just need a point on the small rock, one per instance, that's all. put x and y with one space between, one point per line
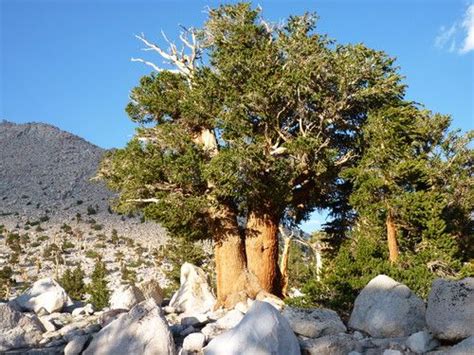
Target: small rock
215 315
313 323
169 310
125 297
230 319
421 342
18 330
389 343
197 319
242 307
187 331
49 326
212 330
86 310
108 316
392 352
177 329
76 345
151 289
269 298
328 345
194 342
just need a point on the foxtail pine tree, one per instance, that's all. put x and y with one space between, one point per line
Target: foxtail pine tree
249 129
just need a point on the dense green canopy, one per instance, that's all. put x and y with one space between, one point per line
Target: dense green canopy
286 105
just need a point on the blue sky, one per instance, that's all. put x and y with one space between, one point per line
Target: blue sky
68 62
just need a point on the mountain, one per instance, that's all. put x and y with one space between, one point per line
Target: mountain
45 171
43 168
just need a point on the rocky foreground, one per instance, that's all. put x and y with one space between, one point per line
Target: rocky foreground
388 318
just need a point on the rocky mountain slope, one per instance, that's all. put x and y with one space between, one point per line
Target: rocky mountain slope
43 168
49 206
45 173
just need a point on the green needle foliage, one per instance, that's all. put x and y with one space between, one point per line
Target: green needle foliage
286 105
73 283
299 123
98 287
412 165
6 281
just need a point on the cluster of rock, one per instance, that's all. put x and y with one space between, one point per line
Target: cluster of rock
387 319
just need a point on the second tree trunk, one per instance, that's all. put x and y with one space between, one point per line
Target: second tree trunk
229 253
261 247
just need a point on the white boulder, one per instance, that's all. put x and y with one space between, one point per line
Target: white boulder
88 309
194 294
450 311
193 342
18 330
313 323
76 345
125 297
226 321
230 319
262 331
143 330
45 294
386 308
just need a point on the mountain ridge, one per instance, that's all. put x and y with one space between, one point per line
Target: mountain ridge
46 171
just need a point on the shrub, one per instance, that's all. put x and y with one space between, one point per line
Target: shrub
362 258
99 246
91 254
13 241
98 287
43 238
97 227
73 283
6 281
129 277
67 245
114 238
91 210
66 228
44 218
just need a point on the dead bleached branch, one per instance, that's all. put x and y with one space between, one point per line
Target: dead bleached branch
184 63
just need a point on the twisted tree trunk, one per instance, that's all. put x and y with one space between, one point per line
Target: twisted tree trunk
234 283
229 253
261 246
